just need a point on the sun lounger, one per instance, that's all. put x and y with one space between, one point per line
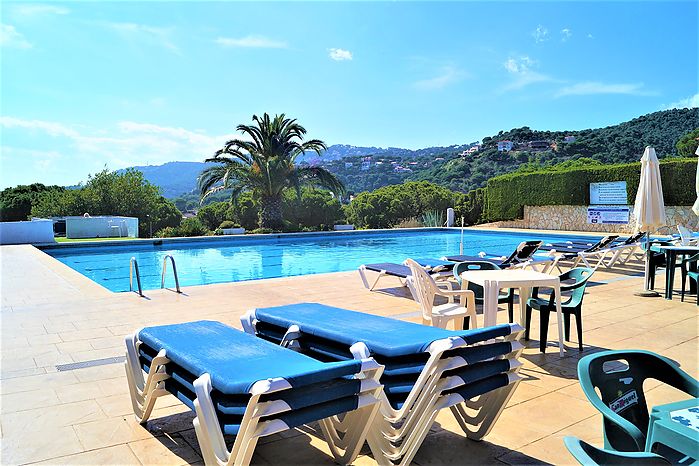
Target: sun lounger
427 369
605 252
687 236
525 255
440 269
245 387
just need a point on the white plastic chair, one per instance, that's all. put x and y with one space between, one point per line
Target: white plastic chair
439 316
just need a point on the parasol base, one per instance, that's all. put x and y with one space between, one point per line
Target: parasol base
647 294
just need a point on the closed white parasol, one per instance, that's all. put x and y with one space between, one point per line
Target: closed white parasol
649 208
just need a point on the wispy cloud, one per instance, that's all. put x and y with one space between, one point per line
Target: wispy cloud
540 34
596 88
522 73
690 102
38 9
590 36
566 34
340 54
12 38
448 75
129 143
251 41
142 33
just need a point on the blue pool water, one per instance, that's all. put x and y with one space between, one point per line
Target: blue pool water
219 260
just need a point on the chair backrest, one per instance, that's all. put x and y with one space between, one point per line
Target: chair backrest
589 455
619 378
581 275
635 238
603 243
523 252
685 235
424 286
474 265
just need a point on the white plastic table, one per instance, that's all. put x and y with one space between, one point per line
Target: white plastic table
493 281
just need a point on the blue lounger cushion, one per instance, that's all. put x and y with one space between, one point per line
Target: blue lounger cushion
390 268
235 360
432 263
383 336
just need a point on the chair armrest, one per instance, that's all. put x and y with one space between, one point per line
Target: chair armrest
464 295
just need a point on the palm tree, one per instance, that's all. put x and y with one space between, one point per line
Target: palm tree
266 166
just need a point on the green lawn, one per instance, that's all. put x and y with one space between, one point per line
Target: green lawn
69 240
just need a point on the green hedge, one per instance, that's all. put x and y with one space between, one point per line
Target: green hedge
508 194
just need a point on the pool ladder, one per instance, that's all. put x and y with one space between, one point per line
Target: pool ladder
133 266
174 271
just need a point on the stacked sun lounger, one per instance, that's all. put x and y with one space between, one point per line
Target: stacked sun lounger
245 387
427 369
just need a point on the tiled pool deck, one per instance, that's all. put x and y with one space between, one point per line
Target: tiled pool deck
51 315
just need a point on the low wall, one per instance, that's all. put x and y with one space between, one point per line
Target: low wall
101 227
574 218
33 232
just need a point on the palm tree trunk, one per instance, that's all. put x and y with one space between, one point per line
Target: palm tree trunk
271 212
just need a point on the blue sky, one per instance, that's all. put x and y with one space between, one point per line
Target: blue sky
87 85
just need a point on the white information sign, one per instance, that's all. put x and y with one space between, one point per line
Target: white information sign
613 193
608 214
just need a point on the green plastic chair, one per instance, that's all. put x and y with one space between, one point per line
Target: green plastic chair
573 306
588 455
693 275
508 297
626 427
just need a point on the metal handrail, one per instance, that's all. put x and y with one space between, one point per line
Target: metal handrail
133 265
174 271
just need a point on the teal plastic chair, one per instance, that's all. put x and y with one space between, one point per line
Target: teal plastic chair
621 387
572 306
588 455
508 297
692 274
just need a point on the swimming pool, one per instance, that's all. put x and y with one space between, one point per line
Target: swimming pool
219 260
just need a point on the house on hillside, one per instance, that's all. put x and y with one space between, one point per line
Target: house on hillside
539 145
505 146
569 139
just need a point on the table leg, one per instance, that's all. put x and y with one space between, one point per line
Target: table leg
490 303
692 283
524 294
670 261
559 318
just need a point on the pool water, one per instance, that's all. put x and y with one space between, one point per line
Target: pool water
220 260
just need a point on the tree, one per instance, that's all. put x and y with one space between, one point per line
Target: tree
112 193
687 145
266 166
16 203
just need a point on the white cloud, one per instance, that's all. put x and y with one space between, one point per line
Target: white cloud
142 33
566 34
540 34
340 54
596 88
251 42
127 144
10 37
690 102
522 73
590 36
38 9
448 75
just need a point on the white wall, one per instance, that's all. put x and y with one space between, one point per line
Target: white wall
101 227
36 231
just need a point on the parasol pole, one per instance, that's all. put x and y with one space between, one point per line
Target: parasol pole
461 243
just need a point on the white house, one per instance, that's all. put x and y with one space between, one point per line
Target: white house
569 139
505 146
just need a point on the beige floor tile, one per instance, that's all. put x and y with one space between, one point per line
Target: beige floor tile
109 432
117 455
33 399
165 450
43 419
52 442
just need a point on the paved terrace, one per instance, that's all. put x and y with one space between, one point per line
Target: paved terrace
52 315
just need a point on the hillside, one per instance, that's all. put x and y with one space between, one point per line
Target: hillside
367 168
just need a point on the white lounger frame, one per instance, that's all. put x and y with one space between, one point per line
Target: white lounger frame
436 272
397 434
345 437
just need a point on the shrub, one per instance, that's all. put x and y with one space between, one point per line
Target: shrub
188 227
245 212
508 194
317 209
213 214
228 224
470 206
387 206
